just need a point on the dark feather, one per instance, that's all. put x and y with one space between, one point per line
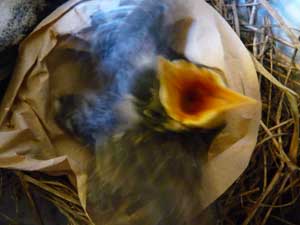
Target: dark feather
145 177
144 174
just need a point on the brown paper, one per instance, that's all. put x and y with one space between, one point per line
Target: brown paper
48 66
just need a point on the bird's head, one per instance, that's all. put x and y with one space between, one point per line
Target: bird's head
184 95
162 170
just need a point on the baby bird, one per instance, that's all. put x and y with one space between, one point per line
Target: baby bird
150 123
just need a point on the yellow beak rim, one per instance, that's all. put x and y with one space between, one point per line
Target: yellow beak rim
195 96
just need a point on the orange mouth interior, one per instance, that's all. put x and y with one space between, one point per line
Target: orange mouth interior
195 96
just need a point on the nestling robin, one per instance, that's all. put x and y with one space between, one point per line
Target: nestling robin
152 121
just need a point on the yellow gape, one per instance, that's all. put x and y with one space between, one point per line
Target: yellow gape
195 96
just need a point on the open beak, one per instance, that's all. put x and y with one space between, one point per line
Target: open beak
196 96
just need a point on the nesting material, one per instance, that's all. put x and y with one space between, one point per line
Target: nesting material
268 192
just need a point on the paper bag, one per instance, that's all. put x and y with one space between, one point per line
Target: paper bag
48 66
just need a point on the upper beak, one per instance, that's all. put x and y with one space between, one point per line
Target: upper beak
196 96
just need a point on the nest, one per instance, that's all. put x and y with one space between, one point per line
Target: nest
268 191
39 199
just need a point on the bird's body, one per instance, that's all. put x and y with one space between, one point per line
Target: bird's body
127 42
147 167
148 178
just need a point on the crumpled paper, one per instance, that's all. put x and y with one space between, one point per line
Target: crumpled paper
49 66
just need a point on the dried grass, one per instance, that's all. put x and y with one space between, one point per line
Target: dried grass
32 186
268 191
